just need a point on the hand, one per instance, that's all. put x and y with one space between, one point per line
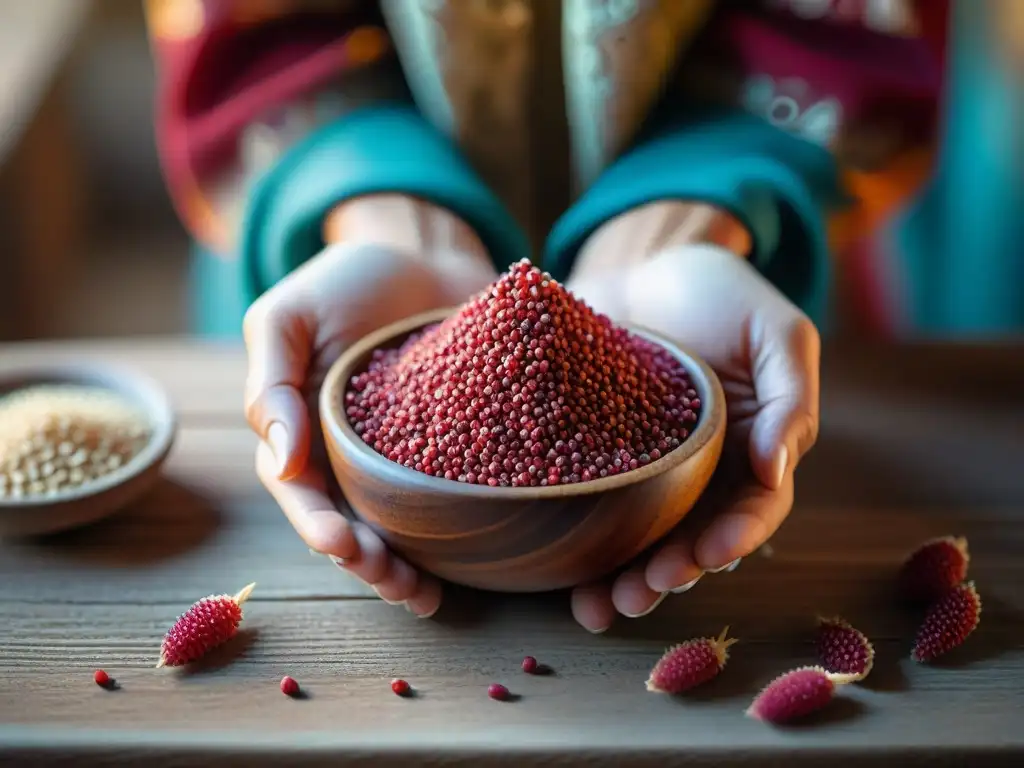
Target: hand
766 353
396 257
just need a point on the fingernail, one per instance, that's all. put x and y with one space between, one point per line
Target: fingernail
653 605
341 562
728 567
686 587
277 439
599 631
781 465
420 615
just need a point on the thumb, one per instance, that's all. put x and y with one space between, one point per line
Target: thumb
279 345
786 379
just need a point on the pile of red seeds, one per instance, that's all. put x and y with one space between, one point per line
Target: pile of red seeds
525 386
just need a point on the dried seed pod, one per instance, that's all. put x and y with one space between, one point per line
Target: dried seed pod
689 664
208 623
843 649
933 569
796 694
948 623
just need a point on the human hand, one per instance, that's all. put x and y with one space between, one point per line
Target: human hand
766 353
394 257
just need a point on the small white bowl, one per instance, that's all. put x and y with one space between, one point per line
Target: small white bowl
74 507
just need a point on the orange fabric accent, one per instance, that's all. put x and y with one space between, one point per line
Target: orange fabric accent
879 195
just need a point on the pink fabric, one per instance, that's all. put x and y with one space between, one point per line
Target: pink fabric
807 63
229 72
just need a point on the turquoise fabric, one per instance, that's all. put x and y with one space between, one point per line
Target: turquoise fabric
741 164
217 299
960 246
374 149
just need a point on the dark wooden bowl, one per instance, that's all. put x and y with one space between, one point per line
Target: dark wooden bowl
518 539
72 508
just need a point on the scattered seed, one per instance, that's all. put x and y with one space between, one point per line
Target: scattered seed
949 623
530 665
690 664
289 686
498 692
208 623
400 687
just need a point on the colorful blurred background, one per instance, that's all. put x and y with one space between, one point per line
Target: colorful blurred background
90 246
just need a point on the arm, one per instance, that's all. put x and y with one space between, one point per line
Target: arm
794 108
267 122
719 177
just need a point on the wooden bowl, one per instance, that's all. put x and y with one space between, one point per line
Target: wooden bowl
74 507
518 539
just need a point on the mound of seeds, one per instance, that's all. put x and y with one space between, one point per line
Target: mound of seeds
56 438
525 386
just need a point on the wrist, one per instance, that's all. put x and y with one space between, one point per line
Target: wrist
405 223
639 234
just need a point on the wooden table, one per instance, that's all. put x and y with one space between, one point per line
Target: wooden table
916 442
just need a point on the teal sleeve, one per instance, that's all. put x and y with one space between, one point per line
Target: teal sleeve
375 149
778 185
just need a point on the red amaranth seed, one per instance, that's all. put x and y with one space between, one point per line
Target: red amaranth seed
934 568
948 623
525 386
289 686
400 687
101 678
690 664
530 665
795 694
843 649
208 623
498 692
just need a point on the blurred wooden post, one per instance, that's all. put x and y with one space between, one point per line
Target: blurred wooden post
40 183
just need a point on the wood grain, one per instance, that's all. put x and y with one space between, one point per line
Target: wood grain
890 470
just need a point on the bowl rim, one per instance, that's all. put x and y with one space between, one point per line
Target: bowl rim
141 390
334 420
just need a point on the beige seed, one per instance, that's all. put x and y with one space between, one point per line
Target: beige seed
56 437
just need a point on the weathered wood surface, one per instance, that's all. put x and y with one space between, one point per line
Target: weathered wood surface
915 442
